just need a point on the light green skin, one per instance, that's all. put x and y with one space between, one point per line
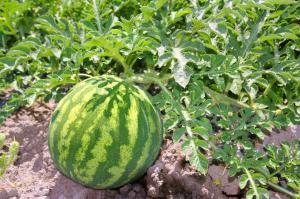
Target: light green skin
104 133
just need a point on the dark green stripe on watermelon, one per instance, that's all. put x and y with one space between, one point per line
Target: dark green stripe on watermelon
120 139
55 129
97 136
143 135
79 91
77 141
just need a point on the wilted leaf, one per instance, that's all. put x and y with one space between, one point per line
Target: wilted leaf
181 72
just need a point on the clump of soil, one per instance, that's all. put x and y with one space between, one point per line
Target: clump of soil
33 174
171 175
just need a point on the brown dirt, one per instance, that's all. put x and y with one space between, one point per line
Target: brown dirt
33 174
171 175
278 136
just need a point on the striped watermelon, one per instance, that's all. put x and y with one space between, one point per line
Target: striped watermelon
104 133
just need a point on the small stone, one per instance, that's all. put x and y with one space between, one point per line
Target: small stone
42 197
177 196
124 190
152 191
118 197
4 194
131 195
137 188
220 177
140 191
13 193
61 196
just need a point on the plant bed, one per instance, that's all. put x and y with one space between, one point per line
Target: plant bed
33 174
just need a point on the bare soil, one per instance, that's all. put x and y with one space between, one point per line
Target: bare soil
33 174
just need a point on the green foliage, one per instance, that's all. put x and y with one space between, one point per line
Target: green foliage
17 19
229 71
7 157
284 162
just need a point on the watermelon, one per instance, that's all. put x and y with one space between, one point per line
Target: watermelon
104 133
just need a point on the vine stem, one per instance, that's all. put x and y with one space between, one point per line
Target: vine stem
3 42
96 11
182 110
84 75
252 182
283 190
224 99
275 186
217 97
254 32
